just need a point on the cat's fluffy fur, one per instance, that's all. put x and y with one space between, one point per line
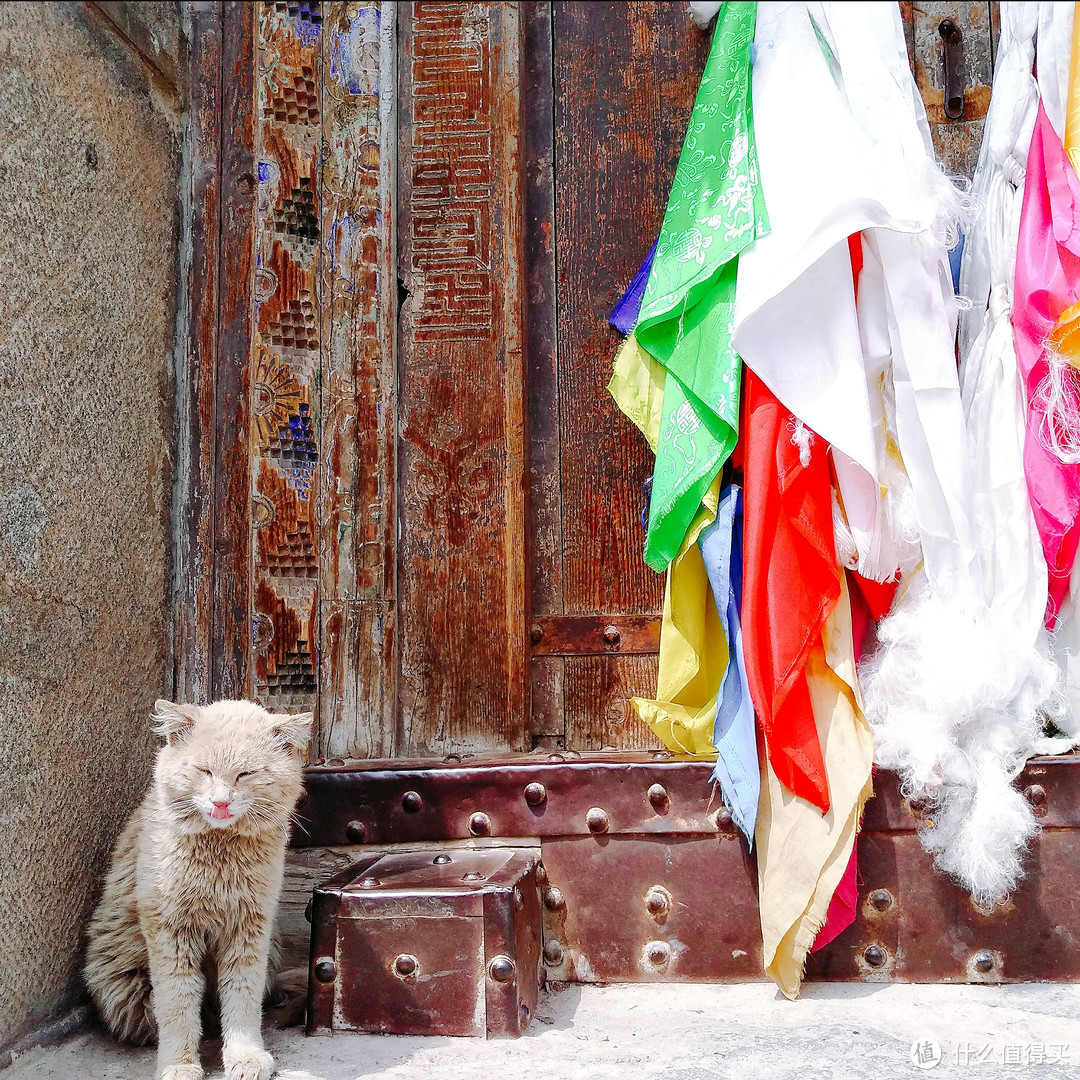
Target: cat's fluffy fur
194 885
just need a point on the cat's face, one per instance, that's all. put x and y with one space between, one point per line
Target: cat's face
230 765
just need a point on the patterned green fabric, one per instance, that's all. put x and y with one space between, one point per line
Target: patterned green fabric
715 210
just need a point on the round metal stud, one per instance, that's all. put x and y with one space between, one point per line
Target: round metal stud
325 969
658 796
369 882
875 955
984 961
480 825
553 952
405 964
472 875
535 794
658 953
612 636
597 820
356 832
441 860
526 1016
502 969
536 634
723 820
881 899
307 911
541 874
411 802
554 899
658 902
661 755
556 757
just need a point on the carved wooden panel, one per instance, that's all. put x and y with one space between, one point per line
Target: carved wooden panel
358 506
284 444
461 589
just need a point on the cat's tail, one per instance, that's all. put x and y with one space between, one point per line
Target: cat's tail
117 968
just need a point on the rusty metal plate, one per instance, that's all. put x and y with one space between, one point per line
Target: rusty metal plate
513 796
916 926
592 635
650 909
444 943
389 802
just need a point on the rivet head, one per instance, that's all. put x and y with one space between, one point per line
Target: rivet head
553 952
597 820
723 820
661 755
556 757
325 969
502 969
535 793
369 882
875 955
554 899
658 953
356 832
658 796
441 860
1035 794
307 911
405 964
881 899
541 874
612 635
984 961
536 634
658 902
523 1012
480 825
411 802
472 875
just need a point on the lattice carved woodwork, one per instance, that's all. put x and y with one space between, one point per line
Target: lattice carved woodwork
286 347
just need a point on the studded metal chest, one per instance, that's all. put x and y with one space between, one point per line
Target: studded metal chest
427 943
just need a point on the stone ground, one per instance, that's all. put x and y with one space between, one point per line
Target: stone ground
680 1032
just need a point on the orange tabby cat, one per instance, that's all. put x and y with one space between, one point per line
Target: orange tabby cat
194 885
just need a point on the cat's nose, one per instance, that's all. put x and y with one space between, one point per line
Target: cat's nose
221 810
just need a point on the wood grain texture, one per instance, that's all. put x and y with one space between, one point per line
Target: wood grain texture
626 75
358 400
193 504
598 709
541 351
463 680
231 633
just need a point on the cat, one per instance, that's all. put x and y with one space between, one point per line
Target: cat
194 886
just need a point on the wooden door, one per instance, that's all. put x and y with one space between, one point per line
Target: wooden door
420 511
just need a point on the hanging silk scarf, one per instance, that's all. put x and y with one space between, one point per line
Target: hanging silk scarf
737 769
1048 283
791 582
804 856
715 210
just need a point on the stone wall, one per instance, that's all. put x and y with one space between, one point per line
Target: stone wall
89 162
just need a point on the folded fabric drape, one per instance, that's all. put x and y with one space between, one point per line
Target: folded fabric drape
714 211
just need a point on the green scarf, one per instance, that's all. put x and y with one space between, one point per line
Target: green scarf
715 210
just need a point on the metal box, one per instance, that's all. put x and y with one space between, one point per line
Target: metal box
427 943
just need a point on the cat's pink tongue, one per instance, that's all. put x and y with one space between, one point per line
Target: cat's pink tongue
221 810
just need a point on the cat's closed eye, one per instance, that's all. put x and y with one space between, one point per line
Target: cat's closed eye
241 775
205 772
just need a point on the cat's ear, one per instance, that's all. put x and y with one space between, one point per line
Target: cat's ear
173 722
294 731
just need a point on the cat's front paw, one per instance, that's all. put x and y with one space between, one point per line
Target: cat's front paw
248 1064
181 1072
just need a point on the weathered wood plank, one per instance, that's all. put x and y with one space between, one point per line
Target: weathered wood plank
193 506
463 677
625 79
598 709
357 419
284 448
541 351
231 634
